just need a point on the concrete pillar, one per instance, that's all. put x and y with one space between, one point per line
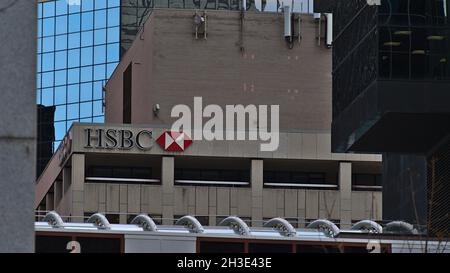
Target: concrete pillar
49 201
58 191
123 203
17 124
77 186
256 181
67 179
345 186
167 181
65 204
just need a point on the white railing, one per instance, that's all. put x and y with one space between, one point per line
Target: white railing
123 180
200 182
298 185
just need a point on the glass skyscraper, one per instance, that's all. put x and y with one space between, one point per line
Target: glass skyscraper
78 49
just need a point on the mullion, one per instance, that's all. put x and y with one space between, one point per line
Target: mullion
79 59
54 59
67 68
93 58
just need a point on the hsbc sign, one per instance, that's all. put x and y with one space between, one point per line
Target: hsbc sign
123 139
141 139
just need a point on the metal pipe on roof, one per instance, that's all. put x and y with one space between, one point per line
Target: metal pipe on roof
145 222
100 221
368 225
54 219
191 223
283 226
326 226
237 224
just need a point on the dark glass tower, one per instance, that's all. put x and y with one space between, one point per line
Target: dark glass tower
391 82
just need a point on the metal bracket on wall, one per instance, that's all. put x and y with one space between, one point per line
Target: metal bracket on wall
200 24
319 34
299 31
241 32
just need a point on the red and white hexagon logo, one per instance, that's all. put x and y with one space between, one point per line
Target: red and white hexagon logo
172 141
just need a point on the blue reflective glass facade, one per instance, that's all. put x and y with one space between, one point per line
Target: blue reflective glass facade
78 49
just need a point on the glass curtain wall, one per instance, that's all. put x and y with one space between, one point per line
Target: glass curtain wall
78 49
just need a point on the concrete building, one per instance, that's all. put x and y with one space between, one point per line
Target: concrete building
17 124
238 58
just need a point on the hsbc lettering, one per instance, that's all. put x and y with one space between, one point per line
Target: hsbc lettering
118 139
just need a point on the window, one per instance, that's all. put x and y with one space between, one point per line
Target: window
127 86
366 182
113 218
212 175
119 172
297 179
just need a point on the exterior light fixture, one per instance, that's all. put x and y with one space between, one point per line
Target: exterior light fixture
418 52
403 32
392 43
435 38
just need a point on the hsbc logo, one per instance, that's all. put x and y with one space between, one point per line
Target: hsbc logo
172 141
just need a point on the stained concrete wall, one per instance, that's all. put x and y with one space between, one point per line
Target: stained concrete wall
17 124
303 205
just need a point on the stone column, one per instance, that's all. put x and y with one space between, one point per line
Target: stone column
58 192
77 186
167 181
345 187
256 180
18 124
49 201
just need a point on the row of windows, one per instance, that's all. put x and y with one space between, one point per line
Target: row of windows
252 5
295 177
78 39
61 127
414 12
78 22
83 57
370 180
362 179
414 53
61 7
212 175
119 172
77 111
75 93
71 76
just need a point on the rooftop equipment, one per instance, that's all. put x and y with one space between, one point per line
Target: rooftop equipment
329 34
